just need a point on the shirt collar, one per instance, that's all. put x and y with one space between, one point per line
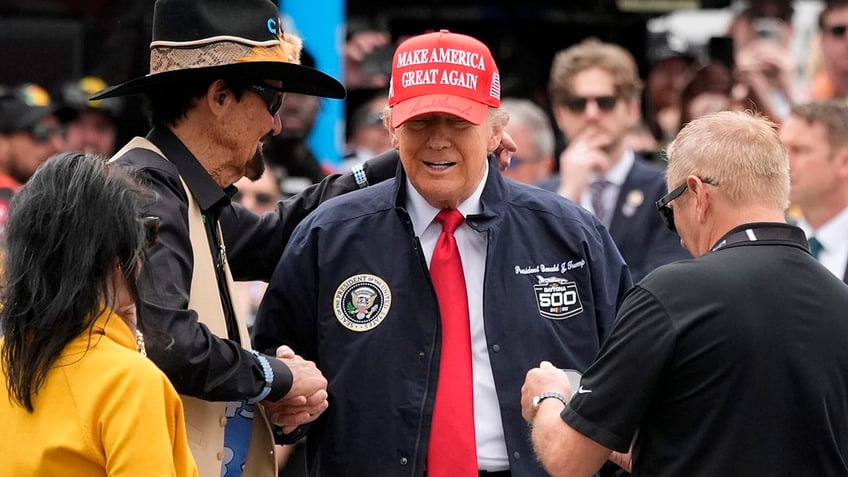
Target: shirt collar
207 192
422 213
832 233
618 174
106 324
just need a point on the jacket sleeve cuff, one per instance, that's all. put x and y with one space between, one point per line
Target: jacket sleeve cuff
381 167
282 380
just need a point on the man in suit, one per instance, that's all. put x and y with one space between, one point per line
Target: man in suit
594 89
816 138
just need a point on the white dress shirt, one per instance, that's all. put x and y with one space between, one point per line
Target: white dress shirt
616 177
833 236
491 446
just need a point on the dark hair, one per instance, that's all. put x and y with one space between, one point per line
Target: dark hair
780 9
169 104
829 6
71 224
713 77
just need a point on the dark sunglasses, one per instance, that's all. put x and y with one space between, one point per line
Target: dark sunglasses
666 212
274 97
151 230
577 104
837 31
41 133
261 198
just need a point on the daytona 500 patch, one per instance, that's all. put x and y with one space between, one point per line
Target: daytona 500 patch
557 298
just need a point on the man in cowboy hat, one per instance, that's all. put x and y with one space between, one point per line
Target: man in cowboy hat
218 76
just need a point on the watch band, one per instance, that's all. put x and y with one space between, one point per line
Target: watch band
268 374
537 400
359 176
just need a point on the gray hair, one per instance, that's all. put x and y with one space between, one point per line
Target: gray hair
740 151
526 113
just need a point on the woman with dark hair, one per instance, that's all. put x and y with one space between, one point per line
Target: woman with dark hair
714 87
83 399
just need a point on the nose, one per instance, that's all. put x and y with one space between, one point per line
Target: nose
438 138
592 108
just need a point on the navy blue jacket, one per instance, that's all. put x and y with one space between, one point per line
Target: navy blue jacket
353 292
636 227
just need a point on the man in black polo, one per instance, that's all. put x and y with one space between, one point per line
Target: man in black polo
729 364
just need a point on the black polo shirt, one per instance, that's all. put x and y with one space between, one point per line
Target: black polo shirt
730 364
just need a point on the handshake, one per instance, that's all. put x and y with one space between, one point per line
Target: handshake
306 399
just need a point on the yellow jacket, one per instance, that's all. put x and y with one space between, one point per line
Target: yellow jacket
103 410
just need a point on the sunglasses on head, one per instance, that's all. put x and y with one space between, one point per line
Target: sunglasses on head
837 31
666 212
577 104
274 97
151 230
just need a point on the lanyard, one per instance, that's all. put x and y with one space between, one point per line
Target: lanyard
760 232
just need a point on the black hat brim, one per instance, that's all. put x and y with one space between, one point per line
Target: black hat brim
296 79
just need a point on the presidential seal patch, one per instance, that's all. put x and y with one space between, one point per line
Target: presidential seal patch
361 302
557 298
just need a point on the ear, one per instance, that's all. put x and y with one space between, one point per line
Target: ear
495 139
634 111
392 133
218 96
703 197
840 161
559 116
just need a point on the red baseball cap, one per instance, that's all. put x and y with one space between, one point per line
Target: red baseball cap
443 72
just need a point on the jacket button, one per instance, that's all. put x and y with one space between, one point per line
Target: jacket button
223 421
403 461
516 455
421 356
496 348
220 454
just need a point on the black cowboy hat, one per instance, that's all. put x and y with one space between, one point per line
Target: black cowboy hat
209 39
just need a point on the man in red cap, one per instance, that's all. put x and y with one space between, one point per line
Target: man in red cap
425 299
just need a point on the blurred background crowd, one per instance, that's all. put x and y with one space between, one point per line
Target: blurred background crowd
694 58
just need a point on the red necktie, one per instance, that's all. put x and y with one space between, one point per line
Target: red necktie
453 450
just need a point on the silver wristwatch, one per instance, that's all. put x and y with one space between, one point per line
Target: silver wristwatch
537 400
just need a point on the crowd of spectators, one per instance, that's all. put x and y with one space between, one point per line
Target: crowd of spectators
596 134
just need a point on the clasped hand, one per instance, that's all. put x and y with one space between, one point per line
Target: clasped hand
306 399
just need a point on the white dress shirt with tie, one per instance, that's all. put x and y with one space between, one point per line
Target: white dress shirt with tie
491 447
833 236
616 177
